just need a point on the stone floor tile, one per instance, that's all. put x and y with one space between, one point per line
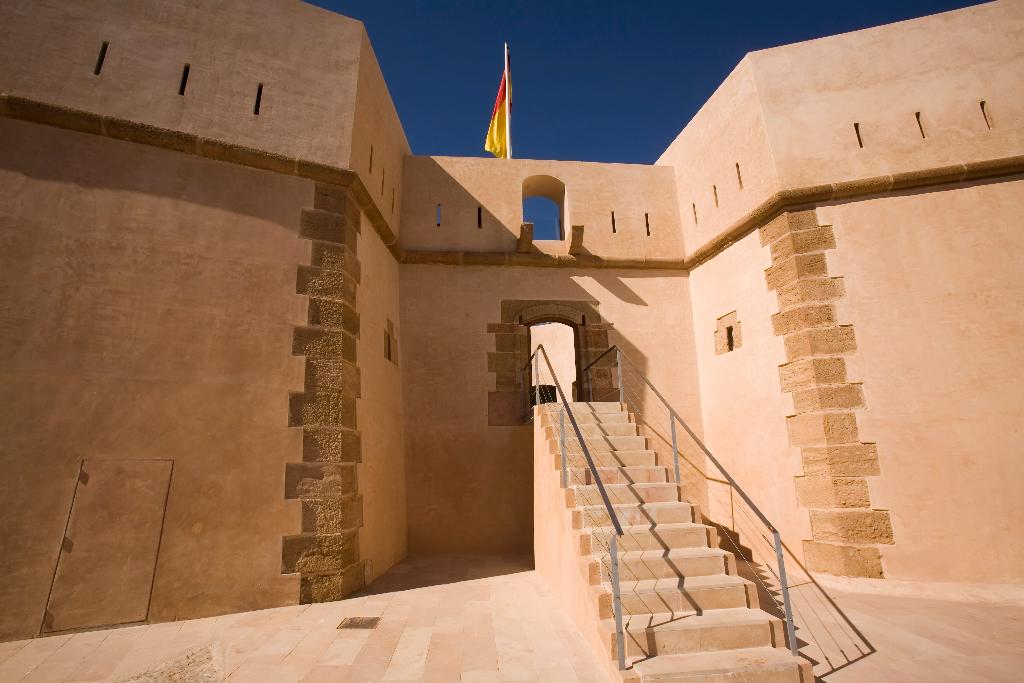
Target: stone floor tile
29 656
326 674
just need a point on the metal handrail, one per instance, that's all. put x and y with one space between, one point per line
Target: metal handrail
620 356
566 409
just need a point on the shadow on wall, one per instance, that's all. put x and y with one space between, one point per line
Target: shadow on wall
41 152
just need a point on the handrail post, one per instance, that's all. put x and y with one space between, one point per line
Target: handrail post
790 627
675 448
561 446
620 640
622 388
536 380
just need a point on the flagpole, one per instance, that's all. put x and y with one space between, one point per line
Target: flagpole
508 104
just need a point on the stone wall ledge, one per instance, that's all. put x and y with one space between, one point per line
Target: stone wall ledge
25 109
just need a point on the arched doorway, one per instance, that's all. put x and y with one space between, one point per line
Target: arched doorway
561 350
545 205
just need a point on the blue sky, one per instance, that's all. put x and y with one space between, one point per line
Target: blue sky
592 81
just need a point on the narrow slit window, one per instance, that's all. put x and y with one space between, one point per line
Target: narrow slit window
259 99
739 176
613 222
371 158
184 80
730 342
694 213
102 56
479 217
920 126
647 223
382 182
714 190
439 215
860 141
984 114
392 200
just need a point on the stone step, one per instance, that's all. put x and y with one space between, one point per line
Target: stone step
597 407
690 595
601 443
607 459
549 419
750 665
736 628
622 493
632 474
647 537
595 431
630 514
638 565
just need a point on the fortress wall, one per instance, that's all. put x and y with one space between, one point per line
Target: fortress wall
786 114
934 290
744 411
377 131
469 484
316 68
381 474
147 307
728 131
593 191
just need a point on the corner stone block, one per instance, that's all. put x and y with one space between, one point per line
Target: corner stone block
820 342
851 526
813 290
328 284
332 515
846 460
324 226
795 268
324 408
337 315
821 429
337 199
811 372
335 257
316 342
332 586
818 238
319 553
319 480
843 560
336 375
504 362
832 492
803 317
330 444
787 222
828 397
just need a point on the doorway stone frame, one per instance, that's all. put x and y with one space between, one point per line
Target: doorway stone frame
505 406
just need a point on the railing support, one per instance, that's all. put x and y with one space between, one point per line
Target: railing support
620 638
622 387
561 446
790 626
536 380
675 449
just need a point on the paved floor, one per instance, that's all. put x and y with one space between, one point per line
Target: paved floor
461 619
491 619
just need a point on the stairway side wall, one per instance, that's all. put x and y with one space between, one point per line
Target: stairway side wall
469 485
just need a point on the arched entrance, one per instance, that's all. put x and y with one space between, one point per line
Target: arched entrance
508 404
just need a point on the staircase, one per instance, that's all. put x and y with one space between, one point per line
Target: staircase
686 614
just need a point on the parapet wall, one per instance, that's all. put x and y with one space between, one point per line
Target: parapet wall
848 107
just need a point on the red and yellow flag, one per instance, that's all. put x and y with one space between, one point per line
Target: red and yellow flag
499 137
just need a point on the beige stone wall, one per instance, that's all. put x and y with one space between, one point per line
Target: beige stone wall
933 290
381 474
786 114
494 188
468 484
148 309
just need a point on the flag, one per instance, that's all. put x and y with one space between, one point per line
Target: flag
499 135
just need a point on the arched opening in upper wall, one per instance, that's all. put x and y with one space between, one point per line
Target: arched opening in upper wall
544 205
